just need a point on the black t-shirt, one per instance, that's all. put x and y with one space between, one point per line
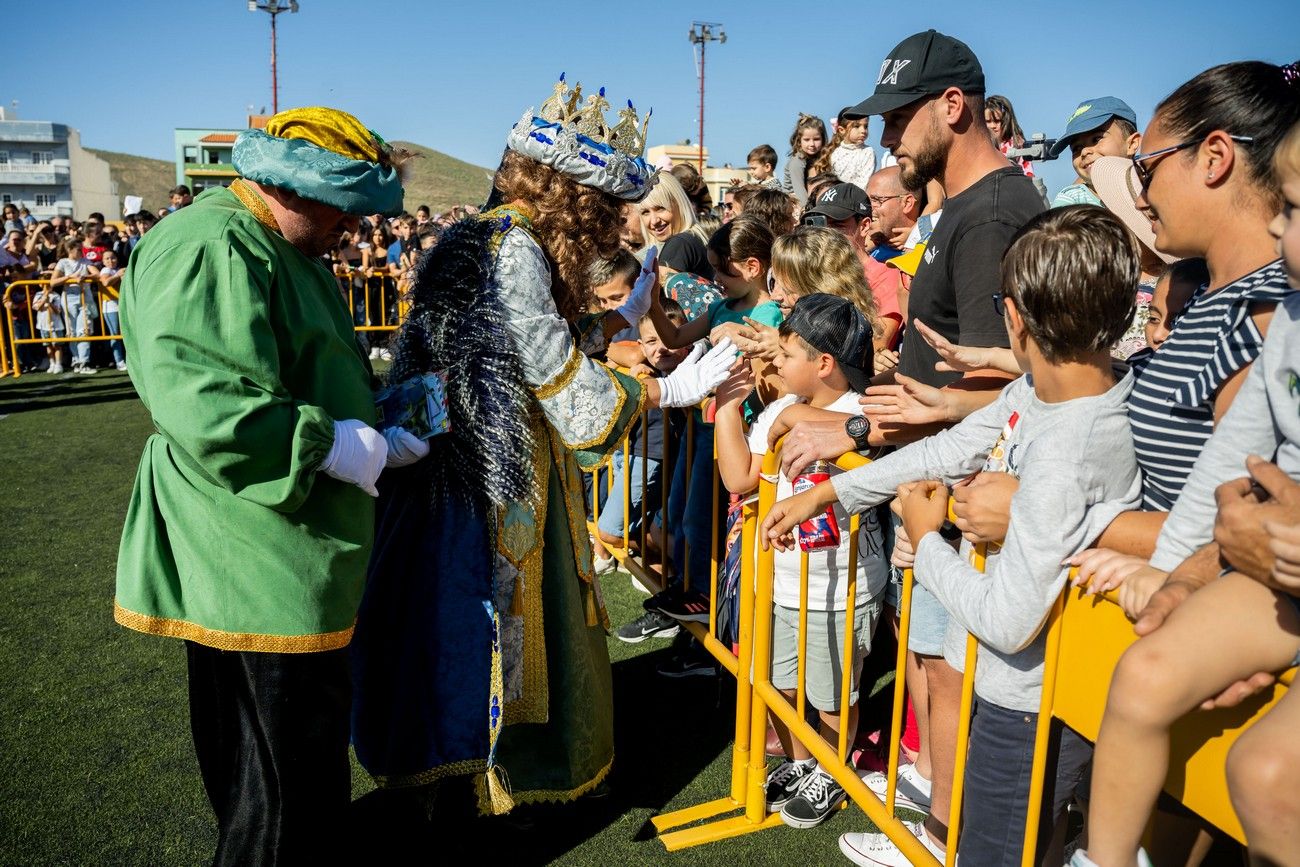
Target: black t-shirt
686 252
961 269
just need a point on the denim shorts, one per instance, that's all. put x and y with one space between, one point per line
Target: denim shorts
824 665
611 510
929 618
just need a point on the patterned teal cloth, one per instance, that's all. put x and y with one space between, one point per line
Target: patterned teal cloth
352 186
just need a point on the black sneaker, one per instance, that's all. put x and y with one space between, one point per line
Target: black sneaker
690 664
652 624
691 605
784 781
817 798
662 597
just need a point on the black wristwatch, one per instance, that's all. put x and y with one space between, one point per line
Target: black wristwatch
858 428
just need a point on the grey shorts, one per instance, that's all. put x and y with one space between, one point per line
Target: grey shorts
825 651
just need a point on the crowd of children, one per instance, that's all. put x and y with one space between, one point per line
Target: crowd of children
1071 378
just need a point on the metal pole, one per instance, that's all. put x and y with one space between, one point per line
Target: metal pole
275 86
704 43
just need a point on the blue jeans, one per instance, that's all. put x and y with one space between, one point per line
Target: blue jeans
113 326
690 512
997 783
611 512
80 317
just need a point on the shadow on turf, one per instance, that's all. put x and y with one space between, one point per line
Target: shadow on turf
44 392
666 732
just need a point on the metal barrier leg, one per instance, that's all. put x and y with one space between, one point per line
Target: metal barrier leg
963 727
897 716
1038 770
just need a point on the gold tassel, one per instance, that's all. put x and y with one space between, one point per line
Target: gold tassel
517 601
591 606
499 801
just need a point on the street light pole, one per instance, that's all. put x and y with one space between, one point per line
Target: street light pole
702 33
273 8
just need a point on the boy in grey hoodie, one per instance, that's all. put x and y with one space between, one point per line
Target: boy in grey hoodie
1067 295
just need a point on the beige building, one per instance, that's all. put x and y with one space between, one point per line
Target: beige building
718 178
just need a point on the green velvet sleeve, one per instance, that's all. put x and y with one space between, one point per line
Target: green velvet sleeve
205 355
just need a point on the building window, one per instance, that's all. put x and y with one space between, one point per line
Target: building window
191 154
42 158
214 157
6 199
4 158
44 200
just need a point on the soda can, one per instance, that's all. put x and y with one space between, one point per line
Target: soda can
819 531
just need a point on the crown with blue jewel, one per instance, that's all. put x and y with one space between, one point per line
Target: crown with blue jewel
571 136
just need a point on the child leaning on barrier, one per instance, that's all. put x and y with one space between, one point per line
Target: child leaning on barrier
1062 429
48 304
824 361
644 481
1252 608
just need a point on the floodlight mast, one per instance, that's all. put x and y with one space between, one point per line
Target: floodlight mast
702 33
273 8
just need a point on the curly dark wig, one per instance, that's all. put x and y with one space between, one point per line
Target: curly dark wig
575 225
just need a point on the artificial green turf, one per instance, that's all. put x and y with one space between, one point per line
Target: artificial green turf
94 732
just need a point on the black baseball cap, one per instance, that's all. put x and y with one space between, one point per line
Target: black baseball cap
833 325
922 65
841 202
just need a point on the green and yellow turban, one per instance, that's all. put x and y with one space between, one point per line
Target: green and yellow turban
325 155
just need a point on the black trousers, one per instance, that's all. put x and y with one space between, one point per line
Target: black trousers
271 732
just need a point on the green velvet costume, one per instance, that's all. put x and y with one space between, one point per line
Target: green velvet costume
243 351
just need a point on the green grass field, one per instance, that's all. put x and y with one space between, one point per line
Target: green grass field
94 734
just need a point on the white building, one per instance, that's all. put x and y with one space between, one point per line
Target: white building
44 167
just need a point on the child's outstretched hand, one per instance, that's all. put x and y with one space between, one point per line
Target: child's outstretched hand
1101 569
925 507
778 527
735 387
1138 588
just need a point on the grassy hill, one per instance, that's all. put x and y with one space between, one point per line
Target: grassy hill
433 179
440 181
140 176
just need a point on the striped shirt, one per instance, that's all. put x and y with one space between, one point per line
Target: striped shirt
1171 409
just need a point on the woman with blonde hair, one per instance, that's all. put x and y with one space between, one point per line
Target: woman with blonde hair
808 260
668 220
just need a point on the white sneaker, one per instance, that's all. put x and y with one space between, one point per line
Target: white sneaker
872 849
374 353
55 368
911 793
121 365
86 370
604 566
385 355
1080 859
639 587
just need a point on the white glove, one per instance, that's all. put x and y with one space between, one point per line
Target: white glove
404 447
357 456
638 303
695 377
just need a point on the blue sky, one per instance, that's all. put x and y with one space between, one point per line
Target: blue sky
456 76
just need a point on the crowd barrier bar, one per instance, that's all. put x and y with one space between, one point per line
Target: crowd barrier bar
29 289
1085 635
11 361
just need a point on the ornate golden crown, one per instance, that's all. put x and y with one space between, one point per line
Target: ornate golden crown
566 108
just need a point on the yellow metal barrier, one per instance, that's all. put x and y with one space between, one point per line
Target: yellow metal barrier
385 291
1085 637
21 292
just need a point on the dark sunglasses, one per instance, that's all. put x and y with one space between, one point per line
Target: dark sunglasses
1140 161
998 306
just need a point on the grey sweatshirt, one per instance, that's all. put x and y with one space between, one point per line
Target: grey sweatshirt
1077 471
1264 420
